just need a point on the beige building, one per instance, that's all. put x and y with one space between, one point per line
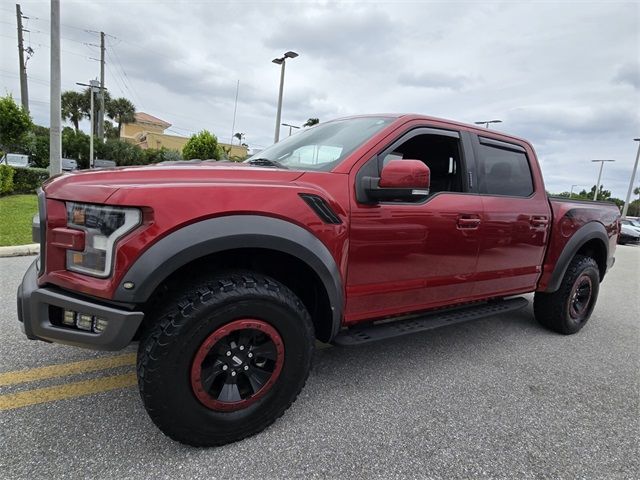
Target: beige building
147 131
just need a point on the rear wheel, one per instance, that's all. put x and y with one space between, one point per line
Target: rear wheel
569 308
224 358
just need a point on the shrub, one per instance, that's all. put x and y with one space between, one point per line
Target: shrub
28 180
6 179
121 152
203 145
156 155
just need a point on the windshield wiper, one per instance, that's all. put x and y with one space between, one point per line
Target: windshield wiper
265 162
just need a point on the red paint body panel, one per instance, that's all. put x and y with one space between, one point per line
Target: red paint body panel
393 258
568 217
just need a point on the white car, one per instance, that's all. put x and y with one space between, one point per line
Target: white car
15 160
628 233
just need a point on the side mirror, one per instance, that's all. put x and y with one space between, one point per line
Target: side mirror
399 179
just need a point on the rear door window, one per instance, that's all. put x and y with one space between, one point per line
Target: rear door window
503 169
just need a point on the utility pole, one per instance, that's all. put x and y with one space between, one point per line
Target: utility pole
24 89
633 178
55 118
101 111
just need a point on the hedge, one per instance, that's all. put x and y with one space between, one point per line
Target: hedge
24 180
6 179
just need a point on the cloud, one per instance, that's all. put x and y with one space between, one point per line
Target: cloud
562 79
436 80
629 74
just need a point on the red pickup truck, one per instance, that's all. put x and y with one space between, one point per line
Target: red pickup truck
356 230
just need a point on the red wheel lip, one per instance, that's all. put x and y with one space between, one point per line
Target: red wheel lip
211 340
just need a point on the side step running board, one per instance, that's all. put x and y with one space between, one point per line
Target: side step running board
390 329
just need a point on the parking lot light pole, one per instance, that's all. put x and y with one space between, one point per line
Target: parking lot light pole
633 178
487 122
290 127
281 61
595 195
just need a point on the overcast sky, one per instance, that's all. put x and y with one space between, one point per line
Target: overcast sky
565 75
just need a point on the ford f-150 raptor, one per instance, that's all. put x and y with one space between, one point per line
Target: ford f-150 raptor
356 230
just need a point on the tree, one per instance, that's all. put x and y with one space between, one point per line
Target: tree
109 130
121 110
76 145
602 193
239 136
15 124
37 146
203 145
311 122
73 107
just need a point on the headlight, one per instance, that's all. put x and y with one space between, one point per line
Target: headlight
103 226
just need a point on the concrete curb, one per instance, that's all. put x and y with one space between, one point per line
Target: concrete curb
20 250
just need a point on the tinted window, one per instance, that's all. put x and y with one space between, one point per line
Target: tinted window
504 172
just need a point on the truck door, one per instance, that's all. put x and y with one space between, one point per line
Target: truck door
412 255
514 230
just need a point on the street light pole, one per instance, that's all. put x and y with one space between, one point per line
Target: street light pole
571 192
633 178
487 122
595 194
281 61
55 118
290 127
94 86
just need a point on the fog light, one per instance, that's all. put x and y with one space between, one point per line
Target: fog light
69 318
84 321
100 324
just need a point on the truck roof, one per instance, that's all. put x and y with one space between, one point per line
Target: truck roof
416 116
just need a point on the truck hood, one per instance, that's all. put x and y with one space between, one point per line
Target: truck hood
96 186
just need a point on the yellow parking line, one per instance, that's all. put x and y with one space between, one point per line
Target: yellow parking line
64 369
68 390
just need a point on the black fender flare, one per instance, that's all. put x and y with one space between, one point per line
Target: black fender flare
228 233
586 233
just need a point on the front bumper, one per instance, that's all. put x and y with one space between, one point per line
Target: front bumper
35 305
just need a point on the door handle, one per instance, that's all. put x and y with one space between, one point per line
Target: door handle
468 223
539 221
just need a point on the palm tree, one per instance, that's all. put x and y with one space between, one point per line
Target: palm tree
73 107
239 136
121 110
311 122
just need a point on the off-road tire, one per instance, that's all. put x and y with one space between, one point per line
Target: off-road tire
177 329
554 310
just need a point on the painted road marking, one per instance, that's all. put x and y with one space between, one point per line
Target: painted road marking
68 390
73 389
64 369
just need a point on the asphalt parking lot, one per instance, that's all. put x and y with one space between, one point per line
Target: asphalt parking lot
499 397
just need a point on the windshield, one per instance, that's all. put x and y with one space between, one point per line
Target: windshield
322 147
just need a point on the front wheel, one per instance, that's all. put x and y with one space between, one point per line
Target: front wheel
224 358
569 308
